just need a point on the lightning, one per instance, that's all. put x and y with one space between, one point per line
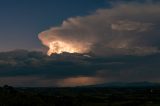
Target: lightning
58 47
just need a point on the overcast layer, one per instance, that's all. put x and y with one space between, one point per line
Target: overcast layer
24 68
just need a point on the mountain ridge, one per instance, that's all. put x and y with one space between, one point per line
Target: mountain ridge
127 84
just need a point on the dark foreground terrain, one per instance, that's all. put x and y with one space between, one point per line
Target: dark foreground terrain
80 96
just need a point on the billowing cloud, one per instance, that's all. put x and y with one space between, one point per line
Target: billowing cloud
125 28
131 26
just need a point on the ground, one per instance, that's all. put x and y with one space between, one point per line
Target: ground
80 96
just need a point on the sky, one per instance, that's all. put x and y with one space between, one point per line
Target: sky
96 41
22 20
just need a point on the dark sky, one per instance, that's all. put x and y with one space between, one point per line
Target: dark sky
22 20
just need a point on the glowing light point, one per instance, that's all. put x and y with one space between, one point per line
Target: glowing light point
60 47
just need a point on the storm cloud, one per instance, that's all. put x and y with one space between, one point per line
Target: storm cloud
122 43
30 68
124 28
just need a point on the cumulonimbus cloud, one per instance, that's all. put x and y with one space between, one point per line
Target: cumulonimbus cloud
123 29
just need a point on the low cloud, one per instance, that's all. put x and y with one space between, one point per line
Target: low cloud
36 69
80 81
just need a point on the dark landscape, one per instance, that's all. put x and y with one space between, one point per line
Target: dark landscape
81 96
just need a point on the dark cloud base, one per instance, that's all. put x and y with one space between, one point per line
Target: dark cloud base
31 68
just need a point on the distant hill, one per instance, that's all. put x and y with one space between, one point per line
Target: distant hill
127 84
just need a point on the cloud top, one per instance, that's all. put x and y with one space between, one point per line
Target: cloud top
122 28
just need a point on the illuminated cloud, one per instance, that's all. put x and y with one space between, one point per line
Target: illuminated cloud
79 81
123 28
131 26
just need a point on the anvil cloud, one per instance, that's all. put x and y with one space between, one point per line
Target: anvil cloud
122 29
